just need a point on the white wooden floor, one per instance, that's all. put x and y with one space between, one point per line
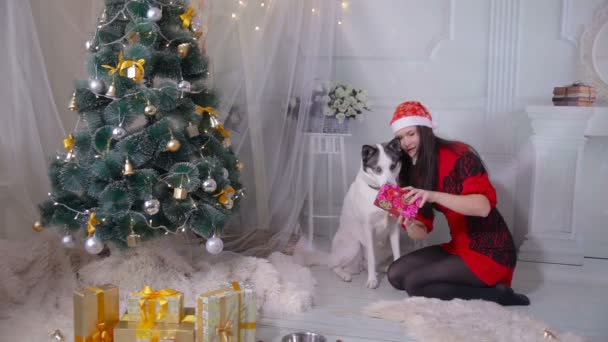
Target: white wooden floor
566 297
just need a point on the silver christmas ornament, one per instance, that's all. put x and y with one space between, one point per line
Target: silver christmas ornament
154 14
184 86
118 133
152 206
214 245
97 86
209 185
225 173
90 46
67 241
150 110
93 245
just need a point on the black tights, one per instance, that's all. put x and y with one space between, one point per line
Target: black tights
434 273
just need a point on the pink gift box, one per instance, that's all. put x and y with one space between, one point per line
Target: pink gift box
390 198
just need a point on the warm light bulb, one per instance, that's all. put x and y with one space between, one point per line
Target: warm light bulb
233 15
262 4
313 10
241 3
257 28
339 22
344 4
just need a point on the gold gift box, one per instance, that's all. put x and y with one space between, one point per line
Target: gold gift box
95 312
217 315
152 303
247 310
126 331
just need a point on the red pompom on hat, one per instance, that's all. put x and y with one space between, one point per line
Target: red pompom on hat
411 113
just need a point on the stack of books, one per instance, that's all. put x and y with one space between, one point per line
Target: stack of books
576 94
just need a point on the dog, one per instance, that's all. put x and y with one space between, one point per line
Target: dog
365 230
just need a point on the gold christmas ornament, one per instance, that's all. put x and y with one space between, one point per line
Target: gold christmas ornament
128 169
150 109
240 166
133 239
183 49
180 193
111 90
37 226
73 106
173 145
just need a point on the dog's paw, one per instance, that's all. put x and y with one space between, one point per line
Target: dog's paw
345 276
372 283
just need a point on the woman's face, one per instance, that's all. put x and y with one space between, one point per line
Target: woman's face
410 140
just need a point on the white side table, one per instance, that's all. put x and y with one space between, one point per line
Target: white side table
329 145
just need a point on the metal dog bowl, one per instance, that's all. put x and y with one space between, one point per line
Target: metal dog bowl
304 336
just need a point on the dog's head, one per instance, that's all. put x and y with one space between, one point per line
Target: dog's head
382 162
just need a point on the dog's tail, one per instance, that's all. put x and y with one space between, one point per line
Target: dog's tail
304 255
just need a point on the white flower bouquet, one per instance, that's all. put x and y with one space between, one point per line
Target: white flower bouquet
344 102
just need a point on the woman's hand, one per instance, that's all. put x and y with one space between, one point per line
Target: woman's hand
414 194
415 229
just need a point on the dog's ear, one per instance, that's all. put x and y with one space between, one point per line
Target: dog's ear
395 146
367 152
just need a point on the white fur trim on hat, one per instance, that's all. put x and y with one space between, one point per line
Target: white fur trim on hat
412 121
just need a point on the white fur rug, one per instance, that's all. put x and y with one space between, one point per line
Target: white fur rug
38 277
433 320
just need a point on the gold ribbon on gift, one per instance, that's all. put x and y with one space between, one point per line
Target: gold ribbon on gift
225 196
209 110
93 221
124 65
225 329
69 142
104 331
187 17
116 69
147 303
225 332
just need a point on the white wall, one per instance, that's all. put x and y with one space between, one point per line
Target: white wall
476 64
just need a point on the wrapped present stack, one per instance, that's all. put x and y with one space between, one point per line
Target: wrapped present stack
576 94
227 314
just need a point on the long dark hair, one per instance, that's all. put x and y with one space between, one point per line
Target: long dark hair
424 173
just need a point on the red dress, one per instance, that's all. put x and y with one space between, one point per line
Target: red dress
484 243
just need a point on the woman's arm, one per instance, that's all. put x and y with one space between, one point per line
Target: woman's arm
470 205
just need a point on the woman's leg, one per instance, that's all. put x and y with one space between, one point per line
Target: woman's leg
398 271
451 278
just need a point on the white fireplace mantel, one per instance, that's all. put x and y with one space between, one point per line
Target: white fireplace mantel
558 140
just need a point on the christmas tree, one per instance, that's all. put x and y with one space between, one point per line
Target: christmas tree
148 156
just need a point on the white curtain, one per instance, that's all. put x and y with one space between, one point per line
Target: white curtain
267 57
30 130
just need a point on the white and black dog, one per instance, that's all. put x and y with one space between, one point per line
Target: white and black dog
365 230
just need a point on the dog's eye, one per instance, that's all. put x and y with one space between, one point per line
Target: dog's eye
377 169
393 167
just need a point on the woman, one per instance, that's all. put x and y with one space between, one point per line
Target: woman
450 177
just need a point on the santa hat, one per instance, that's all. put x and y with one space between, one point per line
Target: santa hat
411 113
